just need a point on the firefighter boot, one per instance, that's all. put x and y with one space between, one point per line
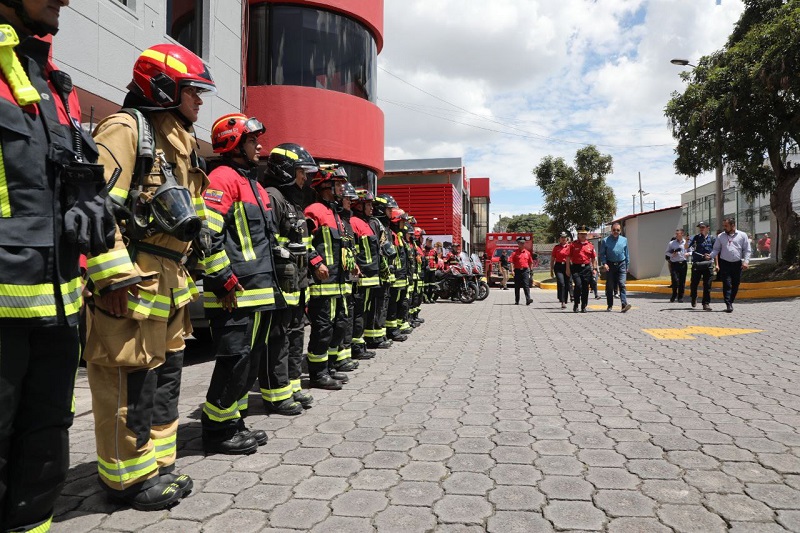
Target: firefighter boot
399 337
229 442
287 407
360 352
339 376
380 344
326 382
258 434
346 365
303 398
184 482
152 495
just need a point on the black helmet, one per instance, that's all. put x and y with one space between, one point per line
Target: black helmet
386 200
284 159
350 192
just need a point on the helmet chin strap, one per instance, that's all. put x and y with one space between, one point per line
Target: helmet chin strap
39 29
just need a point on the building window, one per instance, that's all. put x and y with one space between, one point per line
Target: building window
126 3
729 195
763 213
292 45
185 23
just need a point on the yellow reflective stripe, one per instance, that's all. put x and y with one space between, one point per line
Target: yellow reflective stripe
246 298
72 296
149 304
345 353
119 195
215 263
181 296
199 206
373 333
296 385
292 298
244 402
215 221
221 415
282 240
287 153
277 395
109 264
27 301
369 282
44 527
121 471
166 446
313 358
326 236
367 251
244 232
5 203
309 242
325 289
400 283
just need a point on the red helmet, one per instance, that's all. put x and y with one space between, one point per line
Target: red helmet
397 215
163 70
419 232
325 175
228 131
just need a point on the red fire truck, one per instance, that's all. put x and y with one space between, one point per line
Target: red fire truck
495 244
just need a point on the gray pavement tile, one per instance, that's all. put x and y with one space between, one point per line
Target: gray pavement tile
423 471
231 482
777 496
403 519
470 462
575 515
364 503
516 498
173 526
320 488
515 475
781 463
342 524
653 469
415 493
286 475
511 438
739 508
299 514
611 478
262 497
560 465
566 488
353 449
637 525
751 473
239 520
690 519
431 452
201 506
518 522
513 454
457 509
467 483
133 520
375 479
789 519
596 457
618 503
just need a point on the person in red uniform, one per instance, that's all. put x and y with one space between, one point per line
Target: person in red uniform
558 268
522 260
580 263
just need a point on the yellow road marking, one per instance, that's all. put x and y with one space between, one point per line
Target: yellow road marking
689 332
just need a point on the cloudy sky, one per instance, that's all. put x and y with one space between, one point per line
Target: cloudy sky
503 84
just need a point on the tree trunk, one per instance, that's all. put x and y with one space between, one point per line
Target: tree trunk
780 201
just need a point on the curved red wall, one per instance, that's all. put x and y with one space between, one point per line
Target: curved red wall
368 12
329 124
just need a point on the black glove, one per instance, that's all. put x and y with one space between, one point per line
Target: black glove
88 220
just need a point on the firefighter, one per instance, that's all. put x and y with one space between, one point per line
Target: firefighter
431 259
419 265
396 328
385 203
325 295
453 257
286 178
340 349
374 307
240 290
368 259
139 315
43 152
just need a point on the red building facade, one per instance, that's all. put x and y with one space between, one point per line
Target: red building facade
312 80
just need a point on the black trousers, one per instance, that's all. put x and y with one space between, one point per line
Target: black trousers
704 274
322 311
562 288
396 306
522 280
273 367
239 343
37 378
384 308
373 330
731 274
429 278
678 274
295 334
342 339
581 275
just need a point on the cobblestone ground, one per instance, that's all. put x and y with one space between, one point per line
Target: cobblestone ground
496 417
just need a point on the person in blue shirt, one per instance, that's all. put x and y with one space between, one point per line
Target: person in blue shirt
702 264
615 259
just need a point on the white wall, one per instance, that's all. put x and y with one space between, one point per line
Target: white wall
99 40
648 235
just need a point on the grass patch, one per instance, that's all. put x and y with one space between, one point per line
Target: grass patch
771 272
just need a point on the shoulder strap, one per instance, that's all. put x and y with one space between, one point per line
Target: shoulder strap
145 145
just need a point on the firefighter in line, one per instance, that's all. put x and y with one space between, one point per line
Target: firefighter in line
48 216
419 283
397 311
286 178
368 259
411 270
340 348
139 315
383 205
368 209
325 295
240 291
430 263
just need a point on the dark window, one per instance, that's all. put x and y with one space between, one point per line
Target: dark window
185 23
763 213
291 45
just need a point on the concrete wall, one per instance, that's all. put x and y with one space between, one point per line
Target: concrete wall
648 235
99 41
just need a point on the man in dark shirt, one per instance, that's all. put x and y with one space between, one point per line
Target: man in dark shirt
504 269
702 264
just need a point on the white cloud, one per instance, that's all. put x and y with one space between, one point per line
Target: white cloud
543 72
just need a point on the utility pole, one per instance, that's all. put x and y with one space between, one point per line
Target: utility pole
634 203
720 207
642 194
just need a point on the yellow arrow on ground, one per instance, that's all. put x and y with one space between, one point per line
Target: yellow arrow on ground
688 333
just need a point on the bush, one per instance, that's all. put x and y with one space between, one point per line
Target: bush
792 254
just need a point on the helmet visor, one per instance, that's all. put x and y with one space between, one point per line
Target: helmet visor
253 125
307 169
203 87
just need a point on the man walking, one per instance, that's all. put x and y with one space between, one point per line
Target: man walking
702 264
615 259
504 270
522 260
582 260
676 257
732 252
558 268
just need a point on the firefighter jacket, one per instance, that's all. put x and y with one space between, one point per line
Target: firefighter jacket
326 230
240 217
348 250
452 259
422 263
367 251
431 258
401 261
40 280
162 282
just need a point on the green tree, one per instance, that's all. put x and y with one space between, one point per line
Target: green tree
535 223
742 107
576 195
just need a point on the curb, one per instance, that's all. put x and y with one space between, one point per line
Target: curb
753 291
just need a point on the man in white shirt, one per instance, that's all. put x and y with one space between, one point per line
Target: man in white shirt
676 256
732 253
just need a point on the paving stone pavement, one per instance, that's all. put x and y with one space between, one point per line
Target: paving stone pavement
496 417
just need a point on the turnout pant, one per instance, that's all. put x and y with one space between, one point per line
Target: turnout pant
580 278
701 273
37 377
374 297
429 276
522 280
678 275
615 279
295 333
341 345
240 344
322 311
395 310
731 274
560 270
134 369
273 367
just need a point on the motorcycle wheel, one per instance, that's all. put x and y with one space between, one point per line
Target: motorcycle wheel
467 294
483 291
